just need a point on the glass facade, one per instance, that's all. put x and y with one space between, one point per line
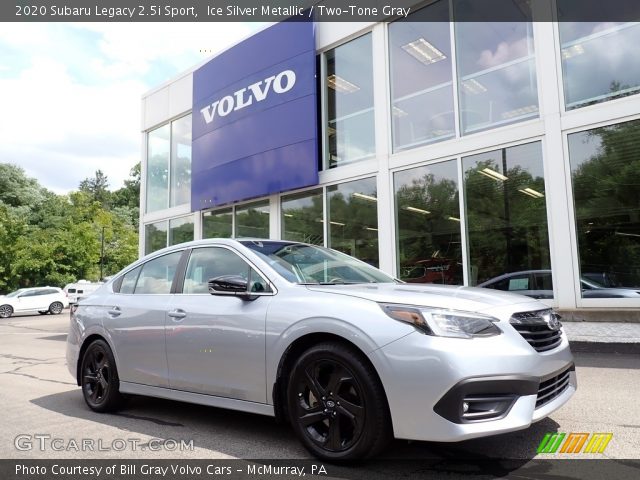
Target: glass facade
181 161
421 77
302 217
600 60
169 165
158 152
155 236
217 224
349 98
252 220
468 199
180 230
506 212
605 172
353 219
428 224
496 69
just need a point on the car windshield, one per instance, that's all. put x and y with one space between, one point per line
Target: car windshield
16 293
311 265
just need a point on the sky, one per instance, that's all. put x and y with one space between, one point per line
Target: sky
70 94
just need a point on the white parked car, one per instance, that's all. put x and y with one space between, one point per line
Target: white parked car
79 290
40 299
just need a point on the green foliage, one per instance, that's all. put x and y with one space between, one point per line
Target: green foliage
49 239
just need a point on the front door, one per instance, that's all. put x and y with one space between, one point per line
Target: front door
216 344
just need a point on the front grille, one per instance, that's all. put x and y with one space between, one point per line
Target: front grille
537 329
553 387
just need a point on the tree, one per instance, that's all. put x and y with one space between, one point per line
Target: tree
49 239
18 190
97 188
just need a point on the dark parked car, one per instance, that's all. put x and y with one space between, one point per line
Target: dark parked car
538 284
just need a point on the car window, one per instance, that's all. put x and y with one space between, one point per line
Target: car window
544 281
156 276
129 280
71 290
207 263
521 282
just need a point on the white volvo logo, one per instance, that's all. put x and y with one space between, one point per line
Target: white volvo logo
280 83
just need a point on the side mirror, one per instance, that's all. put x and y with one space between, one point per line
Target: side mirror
233 285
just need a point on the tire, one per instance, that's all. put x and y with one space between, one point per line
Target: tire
56 308
337 406
99 378
6 311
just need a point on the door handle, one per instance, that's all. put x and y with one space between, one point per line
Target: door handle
177 314
114 312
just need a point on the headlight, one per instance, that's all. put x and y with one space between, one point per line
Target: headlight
444 323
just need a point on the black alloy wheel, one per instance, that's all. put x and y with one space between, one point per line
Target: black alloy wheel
56 308
99 378
336 404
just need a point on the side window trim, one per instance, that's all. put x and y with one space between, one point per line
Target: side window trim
181 271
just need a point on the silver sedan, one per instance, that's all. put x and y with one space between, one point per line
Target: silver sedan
349 356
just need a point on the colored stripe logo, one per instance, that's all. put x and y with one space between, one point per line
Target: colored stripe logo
574 442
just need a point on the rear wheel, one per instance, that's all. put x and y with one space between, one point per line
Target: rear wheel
99 378
56 308
336 404
6 311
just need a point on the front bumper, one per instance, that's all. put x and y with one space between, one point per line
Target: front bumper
422 376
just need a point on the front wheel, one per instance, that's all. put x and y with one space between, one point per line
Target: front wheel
56 308
6 311
336 404
99 378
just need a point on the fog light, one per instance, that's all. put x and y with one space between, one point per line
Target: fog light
486 407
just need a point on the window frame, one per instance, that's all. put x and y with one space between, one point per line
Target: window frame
181 273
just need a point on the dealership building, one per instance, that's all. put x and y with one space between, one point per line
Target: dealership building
439 151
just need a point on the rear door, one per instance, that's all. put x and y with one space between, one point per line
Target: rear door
135 318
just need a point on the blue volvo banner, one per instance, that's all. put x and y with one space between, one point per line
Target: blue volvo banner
254 118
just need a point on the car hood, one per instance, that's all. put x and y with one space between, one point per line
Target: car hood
430 295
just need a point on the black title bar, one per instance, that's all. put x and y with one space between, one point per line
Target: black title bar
319 11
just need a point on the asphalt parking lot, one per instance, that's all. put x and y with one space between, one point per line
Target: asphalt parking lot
43 407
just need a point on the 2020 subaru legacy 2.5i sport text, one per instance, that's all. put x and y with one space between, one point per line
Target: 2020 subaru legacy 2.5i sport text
353 356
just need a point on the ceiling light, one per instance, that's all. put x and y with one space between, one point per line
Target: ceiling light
338 223
417 210
455 219
288 215
487 172
473 86
572 51
531 192
519 112
371 228
362 196
341 85
423 51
